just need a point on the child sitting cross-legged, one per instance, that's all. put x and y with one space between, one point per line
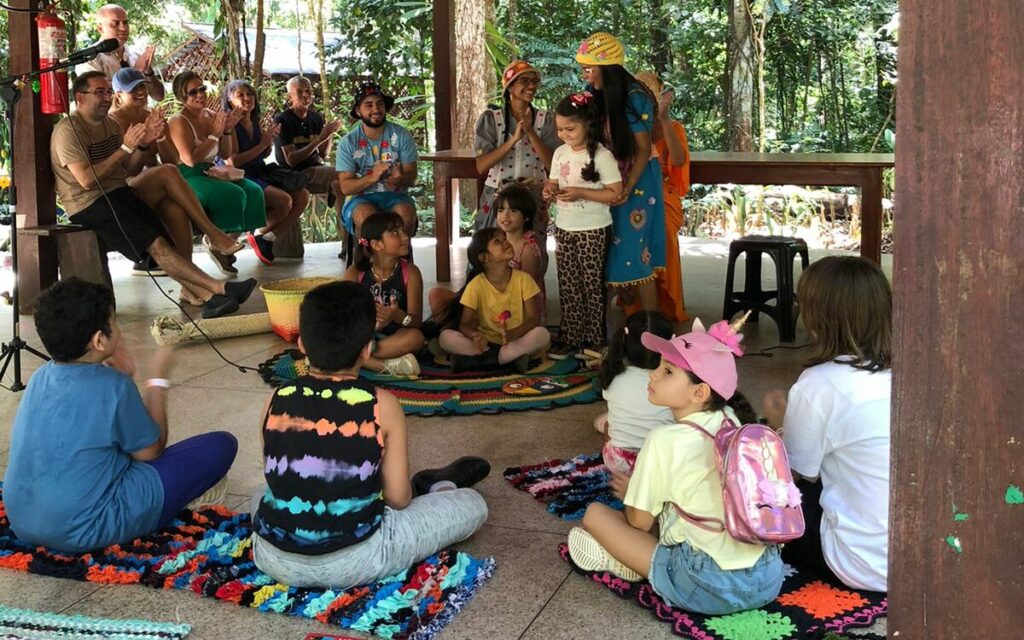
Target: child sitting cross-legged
382 266
338 509
89 462
499 309
689 563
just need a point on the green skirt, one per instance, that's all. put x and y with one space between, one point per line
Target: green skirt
233 206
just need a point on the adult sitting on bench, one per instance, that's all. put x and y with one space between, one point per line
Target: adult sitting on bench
376 162
91 161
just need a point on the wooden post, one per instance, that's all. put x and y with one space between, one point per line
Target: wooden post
444 117
37 257
958 444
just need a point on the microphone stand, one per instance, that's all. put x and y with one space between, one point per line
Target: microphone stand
10 91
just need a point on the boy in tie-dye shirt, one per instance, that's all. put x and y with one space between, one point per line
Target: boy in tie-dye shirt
338 507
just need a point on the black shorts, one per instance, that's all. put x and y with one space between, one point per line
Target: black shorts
139 225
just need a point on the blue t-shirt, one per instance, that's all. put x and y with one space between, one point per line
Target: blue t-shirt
357 154
71 484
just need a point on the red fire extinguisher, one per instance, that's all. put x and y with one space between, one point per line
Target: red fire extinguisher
53 45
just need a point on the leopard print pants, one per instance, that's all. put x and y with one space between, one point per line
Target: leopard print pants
581 257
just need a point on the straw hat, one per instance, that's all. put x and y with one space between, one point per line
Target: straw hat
515 69
601 49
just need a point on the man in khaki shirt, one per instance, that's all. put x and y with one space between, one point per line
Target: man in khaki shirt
112 21
91 161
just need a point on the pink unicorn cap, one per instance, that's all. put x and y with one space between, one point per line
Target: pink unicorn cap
710 355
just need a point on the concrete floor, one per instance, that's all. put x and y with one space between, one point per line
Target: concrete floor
532 594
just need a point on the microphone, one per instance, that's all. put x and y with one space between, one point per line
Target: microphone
87 54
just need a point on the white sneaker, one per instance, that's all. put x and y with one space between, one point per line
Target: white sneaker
213 495
589 555
406 365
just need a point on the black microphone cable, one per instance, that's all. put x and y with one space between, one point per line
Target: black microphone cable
138 256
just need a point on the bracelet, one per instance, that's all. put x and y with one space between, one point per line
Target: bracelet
149 73
143 147
127 149
213 137
161 140
228 133
163 383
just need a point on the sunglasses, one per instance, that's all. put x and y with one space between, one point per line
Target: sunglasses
195 92
529 82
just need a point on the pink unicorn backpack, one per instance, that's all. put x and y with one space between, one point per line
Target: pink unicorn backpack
762 504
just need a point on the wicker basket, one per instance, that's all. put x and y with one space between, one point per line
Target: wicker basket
283 299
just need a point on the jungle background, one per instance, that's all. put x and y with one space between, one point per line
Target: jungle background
749 75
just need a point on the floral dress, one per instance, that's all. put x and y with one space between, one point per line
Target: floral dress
638 225
520 164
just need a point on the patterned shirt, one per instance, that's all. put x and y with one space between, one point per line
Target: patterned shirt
322 450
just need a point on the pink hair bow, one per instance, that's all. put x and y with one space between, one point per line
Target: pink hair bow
363 242
581 99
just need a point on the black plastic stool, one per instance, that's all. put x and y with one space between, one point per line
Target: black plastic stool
783 251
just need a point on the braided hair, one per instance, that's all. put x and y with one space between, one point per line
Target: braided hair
583 107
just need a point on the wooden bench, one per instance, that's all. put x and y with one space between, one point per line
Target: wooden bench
79 251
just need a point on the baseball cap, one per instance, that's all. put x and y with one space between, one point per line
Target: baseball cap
710 355
127 79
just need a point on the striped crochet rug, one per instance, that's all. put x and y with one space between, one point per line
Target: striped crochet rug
439 392
26 624
209 552
565 486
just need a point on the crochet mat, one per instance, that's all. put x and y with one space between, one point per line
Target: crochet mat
209 552
809 607
26 624
439 392
565 486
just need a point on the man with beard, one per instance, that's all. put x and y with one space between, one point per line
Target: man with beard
113 23
91 161
376 162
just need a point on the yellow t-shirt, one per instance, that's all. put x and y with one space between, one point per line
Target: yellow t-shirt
677 464
489 303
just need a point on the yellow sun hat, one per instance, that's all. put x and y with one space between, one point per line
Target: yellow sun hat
601 49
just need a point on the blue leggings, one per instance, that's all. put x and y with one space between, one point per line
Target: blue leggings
190 467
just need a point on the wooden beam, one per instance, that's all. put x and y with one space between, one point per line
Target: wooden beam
37 257
957 443
444 72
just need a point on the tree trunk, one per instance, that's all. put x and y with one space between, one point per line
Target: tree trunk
741 75
233 10
316 11
660 58
261 47
472 67
513 7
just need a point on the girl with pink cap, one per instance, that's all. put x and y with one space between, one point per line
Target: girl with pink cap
693 567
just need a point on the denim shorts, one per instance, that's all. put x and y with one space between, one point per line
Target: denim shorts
382 200
690 579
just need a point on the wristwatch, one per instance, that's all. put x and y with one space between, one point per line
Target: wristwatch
407 320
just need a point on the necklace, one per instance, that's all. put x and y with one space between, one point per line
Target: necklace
380 278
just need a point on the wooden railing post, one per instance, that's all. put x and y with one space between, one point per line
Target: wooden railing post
37 257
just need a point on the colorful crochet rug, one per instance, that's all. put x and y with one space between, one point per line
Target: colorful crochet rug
26 624
439 392
809 607
209 552
565 486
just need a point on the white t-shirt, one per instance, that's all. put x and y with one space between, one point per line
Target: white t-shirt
837 427
566 168
631 416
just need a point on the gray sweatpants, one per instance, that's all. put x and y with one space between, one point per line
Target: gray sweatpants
429 524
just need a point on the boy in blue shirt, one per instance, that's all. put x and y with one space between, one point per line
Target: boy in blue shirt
376 162
89 463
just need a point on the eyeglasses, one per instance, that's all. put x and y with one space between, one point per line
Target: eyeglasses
529 82
102 93
195 92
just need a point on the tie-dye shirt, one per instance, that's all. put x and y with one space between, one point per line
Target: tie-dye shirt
322 451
